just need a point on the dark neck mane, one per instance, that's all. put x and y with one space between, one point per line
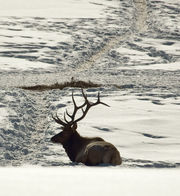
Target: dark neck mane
73 145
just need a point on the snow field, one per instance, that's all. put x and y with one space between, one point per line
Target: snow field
56 8
144 129
74 181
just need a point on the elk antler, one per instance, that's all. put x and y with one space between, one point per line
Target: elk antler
86 103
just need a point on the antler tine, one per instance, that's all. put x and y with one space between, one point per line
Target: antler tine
58 120
75 108
73 100
85 96
99 102
98 96
65 118
68 114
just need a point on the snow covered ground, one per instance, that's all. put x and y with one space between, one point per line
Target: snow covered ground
56 8
89 181
131 48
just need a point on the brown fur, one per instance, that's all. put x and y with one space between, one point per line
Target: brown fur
90 151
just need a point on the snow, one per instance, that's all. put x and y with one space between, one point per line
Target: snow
83 181
55 8
129 47
168 67
21 64
3 112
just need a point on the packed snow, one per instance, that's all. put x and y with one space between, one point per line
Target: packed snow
132 49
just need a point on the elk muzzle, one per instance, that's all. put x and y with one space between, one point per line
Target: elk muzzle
56 139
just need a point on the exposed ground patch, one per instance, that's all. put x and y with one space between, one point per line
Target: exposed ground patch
72 83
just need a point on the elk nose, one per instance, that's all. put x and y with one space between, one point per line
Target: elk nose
53 139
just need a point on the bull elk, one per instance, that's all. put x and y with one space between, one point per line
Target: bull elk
89 151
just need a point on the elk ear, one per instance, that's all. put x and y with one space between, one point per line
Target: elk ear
74 126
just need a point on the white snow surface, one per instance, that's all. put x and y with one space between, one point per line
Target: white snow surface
83 181
56 8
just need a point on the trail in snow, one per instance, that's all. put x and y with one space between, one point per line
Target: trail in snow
138 26
141 15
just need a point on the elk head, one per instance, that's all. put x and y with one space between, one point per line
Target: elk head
69 127
65 134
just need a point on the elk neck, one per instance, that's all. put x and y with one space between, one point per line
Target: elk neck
73 145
